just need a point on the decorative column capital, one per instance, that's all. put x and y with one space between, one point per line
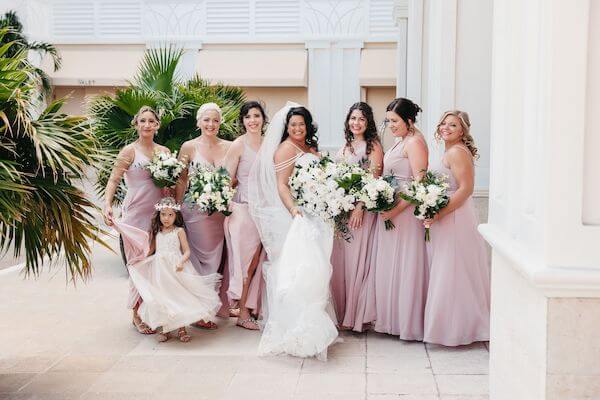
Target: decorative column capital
400 11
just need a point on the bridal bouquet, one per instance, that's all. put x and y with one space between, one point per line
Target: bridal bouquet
378 195
428 195
165 169
210 190
314 189
349 177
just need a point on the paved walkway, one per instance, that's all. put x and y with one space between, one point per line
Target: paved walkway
62 342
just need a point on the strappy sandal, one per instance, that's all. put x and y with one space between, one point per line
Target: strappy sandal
183 335
243 323
162 337
142 327
211 326
234 312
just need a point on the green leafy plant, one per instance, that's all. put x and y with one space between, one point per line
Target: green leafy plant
158 85
44 154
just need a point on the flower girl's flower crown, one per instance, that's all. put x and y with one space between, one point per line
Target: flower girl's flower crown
167 202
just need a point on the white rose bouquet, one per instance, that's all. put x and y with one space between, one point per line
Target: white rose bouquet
429 195
378 194
165 169
349 177
210 190
314 189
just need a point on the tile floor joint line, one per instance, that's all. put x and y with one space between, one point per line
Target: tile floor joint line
437 388
366 365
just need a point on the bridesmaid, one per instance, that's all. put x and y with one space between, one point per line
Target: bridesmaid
400 256
243 241
205 233
458 300
350 260
142 194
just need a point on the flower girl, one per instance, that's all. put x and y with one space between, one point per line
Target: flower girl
174 294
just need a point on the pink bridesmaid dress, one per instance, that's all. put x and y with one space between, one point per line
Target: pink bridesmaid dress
137 207
205 233
242 238
350 261
400 263
458 300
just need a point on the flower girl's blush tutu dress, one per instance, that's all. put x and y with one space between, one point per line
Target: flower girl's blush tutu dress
173 299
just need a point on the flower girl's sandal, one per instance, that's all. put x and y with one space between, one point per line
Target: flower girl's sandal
249 323
142 327
162 337
183 335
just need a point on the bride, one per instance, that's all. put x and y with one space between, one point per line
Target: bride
299 318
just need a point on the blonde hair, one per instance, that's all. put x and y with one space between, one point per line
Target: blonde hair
142 110
466 138
208 107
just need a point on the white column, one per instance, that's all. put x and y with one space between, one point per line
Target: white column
546 260
401 18
414 51
333 86
440 75
591 188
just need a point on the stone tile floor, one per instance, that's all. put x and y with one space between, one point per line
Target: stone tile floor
64 342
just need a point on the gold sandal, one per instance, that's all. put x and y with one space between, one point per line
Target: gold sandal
183 335
142 327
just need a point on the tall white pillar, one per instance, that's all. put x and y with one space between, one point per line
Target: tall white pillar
439 77
546 255
333 86
402 47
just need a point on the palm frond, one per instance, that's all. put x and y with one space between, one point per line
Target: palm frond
59 222
47 49
158 69
42 158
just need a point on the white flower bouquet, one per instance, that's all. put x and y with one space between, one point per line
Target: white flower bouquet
315 189
429 195
165 169
349 177
210 190
378 195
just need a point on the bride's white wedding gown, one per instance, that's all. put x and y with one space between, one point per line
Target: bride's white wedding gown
300 319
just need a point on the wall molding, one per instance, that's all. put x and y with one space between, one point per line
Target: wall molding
552 281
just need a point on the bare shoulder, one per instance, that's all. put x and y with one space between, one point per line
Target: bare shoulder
187 145
416 144
377 146
127 152
284 152
459 156
235 148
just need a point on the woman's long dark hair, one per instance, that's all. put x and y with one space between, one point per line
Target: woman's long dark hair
311 138
371 136
246 107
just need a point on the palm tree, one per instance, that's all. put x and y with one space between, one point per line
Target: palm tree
43 155
16 36
158 85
